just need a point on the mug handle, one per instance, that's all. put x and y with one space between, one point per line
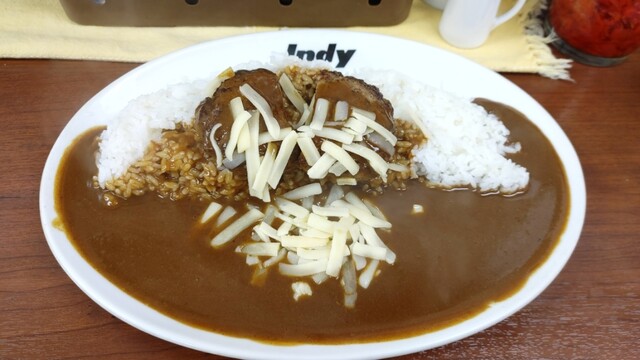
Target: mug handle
509 14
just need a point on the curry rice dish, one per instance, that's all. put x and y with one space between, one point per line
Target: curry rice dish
291 210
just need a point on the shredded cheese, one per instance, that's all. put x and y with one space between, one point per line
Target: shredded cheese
347 181
376 161
212 210
305 269
303 191
319 114
309 150
337 252
321 168
259 249
226 214
263 107
292 94
236 227
280 163
371 123
214 144
341 156
266 166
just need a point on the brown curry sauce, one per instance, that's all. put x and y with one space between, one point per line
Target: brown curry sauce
464 252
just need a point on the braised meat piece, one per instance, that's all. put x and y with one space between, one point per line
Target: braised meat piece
335 87
215 109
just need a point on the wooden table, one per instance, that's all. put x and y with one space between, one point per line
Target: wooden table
591 311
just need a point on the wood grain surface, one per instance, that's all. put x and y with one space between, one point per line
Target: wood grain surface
591 311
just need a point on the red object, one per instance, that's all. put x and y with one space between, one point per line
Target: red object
606 28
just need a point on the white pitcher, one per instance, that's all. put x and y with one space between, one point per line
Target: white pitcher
468 23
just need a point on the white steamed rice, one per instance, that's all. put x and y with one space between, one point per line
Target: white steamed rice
466 146
141 121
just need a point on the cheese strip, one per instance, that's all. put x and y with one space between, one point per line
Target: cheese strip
259 235
346 222
236 227
295 241
367 275
306 114
375 211
284 229
314 254
372 238
341 111
309 150
303 191
238 123
319 114
356 125
359 261
356 136
292 93
376 161
244 139
321 223
226 214
263 107
292 208
340 155
253 151
363 215
336 254
236 106
300 223
276 259
213 209
260 249
369 251
371 123
286 148
397 167
330 211
335 193
269 231
306 269
347 181
355 200
214 144
337 169
320 169
315 233
260 183
334 134
265 137
369 114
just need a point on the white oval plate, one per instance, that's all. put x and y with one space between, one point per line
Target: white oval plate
429 65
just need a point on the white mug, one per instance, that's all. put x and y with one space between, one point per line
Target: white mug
438 4
468 23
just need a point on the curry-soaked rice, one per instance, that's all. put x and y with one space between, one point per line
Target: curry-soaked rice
176 167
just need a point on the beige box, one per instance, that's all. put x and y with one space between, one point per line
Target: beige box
291 13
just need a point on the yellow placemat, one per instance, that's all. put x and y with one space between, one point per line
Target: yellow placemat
41 29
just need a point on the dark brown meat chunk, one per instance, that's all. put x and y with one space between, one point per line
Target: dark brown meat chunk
215 109
335 87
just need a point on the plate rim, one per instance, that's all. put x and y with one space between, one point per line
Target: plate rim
238 347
